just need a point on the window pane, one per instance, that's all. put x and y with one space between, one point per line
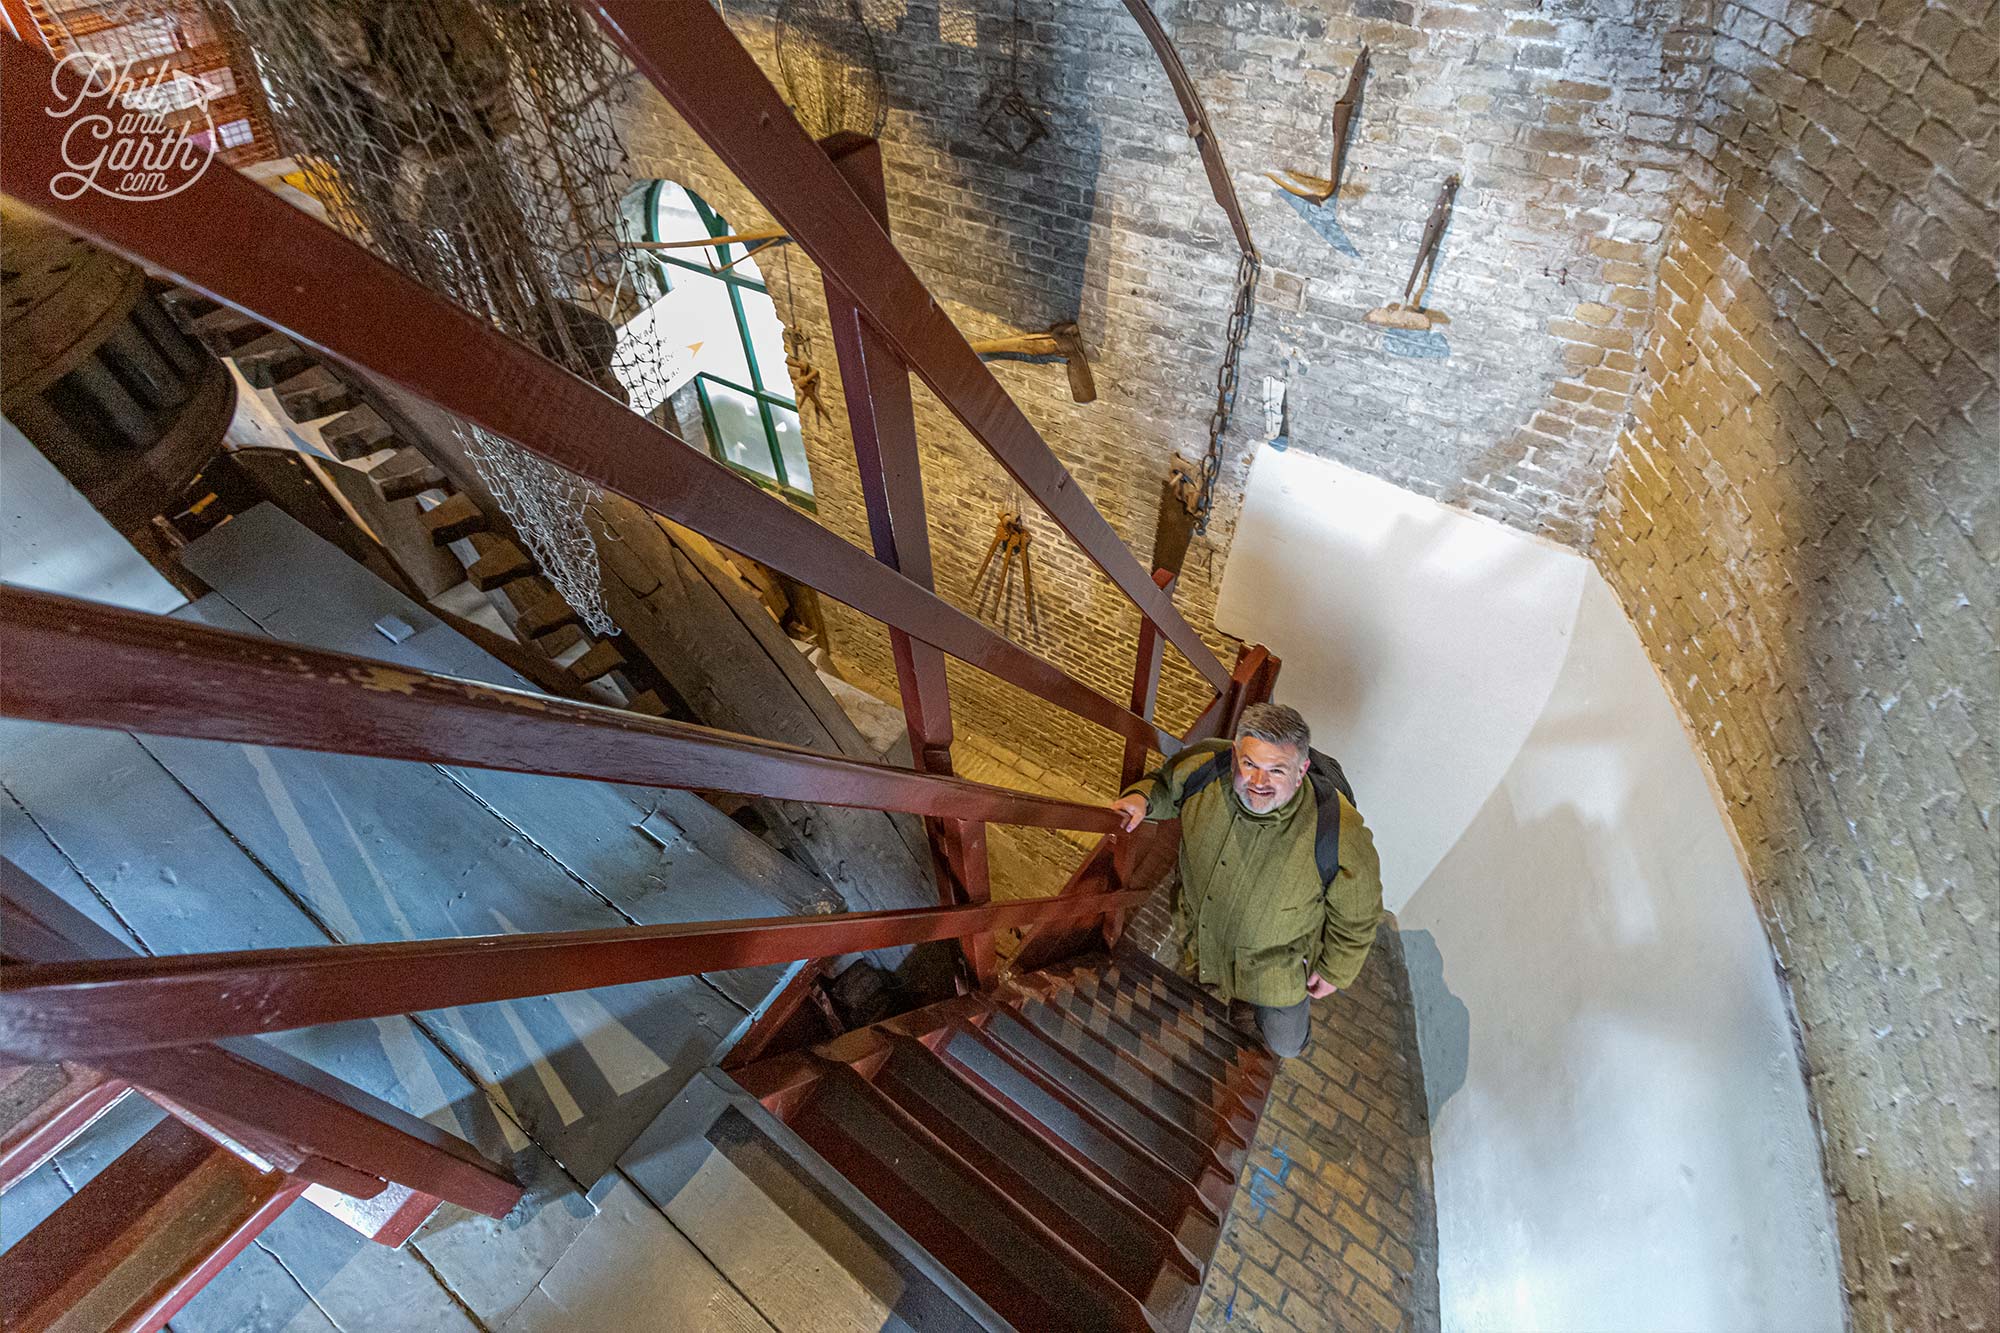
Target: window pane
740 430
706 318
674 219
767 340
792 444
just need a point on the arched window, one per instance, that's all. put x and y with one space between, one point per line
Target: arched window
747 409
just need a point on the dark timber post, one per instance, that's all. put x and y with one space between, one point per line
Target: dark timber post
1145 682
876 384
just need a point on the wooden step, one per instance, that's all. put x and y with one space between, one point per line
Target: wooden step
186 306
271 360
132 1247
601 660
43 1107
549 613
224 330
357 433
457 517
403 474
500 562
314 393
647 702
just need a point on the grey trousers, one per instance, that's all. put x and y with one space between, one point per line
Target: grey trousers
1284 1029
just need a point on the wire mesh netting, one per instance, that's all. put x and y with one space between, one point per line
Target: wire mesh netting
472 146
831 68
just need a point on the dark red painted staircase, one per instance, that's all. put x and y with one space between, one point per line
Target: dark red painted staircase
1060 1153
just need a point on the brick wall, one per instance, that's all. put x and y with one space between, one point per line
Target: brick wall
1804 523
1560 119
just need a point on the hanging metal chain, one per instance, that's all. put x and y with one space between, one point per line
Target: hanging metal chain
1225 385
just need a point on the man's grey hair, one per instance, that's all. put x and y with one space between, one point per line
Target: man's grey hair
1278 724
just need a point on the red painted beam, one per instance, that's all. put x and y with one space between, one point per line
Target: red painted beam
229 238
293 1116
688 52
91 1009
883 423
1145 686
137 1243
93 665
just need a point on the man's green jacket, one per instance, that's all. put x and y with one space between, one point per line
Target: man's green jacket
1253 918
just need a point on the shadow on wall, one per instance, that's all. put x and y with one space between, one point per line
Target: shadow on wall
1444 1024
947 72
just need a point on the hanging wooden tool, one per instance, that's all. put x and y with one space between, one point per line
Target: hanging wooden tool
1315 189
1410 313
1061 340
1011 540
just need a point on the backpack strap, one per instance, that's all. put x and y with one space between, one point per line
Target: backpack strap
1204 774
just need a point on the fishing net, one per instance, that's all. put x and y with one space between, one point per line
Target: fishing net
472 146
831 68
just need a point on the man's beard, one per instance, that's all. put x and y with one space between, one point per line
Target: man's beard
1257 805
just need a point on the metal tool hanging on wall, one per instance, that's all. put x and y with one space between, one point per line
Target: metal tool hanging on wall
1006 116
1062 341
1410 313
1011 540
1315 189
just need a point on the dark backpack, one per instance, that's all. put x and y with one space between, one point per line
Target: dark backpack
1326 778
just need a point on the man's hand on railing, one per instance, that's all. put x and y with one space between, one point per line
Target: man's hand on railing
1131 810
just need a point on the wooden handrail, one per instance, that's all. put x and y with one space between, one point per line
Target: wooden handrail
229 238
88 664
688 52
86 1010
288 1113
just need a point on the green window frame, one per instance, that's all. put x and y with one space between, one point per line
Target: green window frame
762 388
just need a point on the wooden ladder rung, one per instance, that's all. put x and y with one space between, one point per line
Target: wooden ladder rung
602 659
404 474
314 393
550 613
270 360
454 519
500 563
357 433
224 330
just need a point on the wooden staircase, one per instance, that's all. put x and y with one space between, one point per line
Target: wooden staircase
1060 1153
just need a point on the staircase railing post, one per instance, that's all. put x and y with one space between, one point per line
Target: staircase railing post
1145 682
882 420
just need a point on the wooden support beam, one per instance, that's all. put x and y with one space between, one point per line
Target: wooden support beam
688 52
93 1009
1145 685
330 293
88 664
883 424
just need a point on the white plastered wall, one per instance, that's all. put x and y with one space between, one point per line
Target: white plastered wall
1620 1135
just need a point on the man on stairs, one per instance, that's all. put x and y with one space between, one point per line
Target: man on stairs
1280 889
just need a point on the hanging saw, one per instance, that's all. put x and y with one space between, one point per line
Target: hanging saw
1314 189
1063 341
1410 313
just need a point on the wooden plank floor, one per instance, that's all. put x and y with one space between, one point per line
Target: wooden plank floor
180 845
